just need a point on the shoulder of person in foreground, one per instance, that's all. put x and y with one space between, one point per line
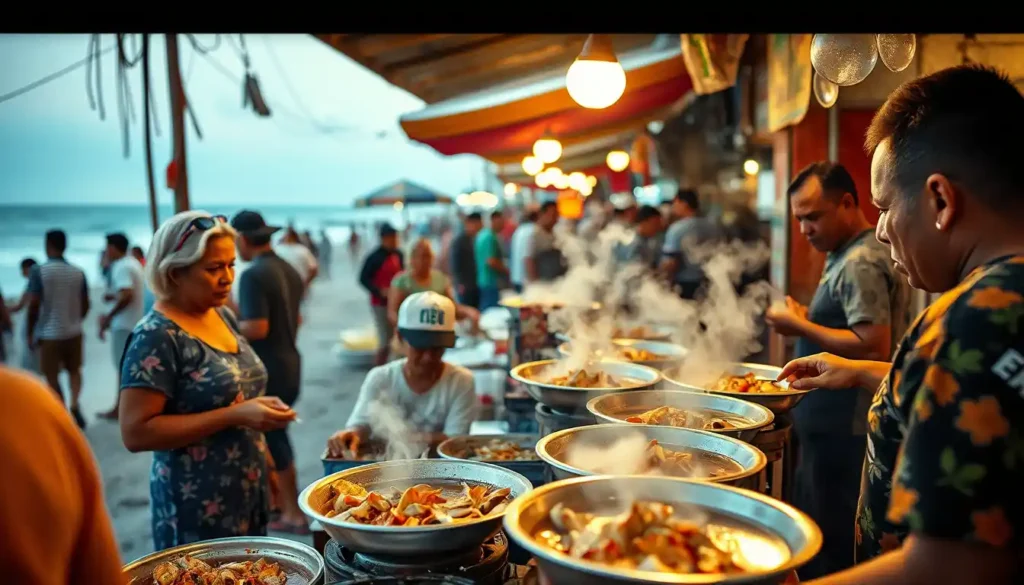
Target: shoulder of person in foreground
863 284
462 407
961 463
37 437
152 358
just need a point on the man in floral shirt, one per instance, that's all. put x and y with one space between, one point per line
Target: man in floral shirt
944 472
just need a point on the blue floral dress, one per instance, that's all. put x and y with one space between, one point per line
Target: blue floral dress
216 487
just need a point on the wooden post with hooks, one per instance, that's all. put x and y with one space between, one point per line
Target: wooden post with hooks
181 199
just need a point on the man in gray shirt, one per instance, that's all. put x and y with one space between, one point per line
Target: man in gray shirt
688 232
544 261
859 311
269 295
462 256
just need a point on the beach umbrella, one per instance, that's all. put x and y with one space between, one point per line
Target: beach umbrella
404 192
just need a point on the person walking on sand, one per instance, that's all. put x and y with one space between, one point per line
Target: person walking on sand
291 250
379 269
326 256
57 305
269 295
126 292
29 356
193 392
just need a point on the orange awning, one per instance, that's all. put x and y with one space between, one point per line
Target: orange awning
501 124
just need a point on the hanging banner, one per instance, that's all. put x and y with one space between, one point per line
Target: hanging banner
712 60
789 79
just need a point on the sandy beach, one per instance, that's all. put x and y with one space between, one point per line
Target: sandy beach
328 394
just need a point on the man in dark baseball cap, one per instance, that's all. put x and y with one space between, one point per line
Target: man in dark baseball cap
251 223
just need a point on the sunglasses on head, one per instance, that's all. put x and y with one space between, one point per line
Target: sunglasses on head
199 224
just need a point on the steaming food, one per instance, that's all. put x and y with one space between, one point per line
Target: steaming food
187 570
645 538
419 505
502 450
638 332
584 379
671 416
635 354
747 383
679 463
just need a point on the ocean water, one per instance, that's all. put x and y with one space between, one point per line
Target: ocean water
23 228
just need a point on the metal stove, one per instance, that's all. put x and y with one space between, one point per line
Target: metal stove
486 565
775 442
551 420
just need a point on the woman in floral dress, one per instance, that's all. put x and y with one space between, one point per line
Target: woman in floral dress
192 391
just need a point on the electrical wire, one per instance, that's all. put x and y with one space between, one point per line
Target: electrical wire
51 77
291 90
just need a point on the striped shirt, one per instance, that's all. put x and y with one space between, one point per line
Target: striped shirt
61 288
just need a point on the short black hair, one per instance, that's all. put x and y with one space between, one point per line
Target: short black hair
647 212
835 180
27 263
497 213
531 216
689 197
386 229
547 205
964 122
119 241
258 239
57 240
475 216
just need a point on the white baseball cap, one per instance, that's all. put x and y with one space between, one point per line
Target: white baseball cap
427 320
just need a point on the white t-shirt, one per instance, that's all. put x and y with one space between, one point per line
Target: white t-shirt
127 273
519 252
449 407
299 256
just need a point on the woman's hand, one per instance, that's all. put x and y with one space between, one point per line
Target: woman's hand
344 442
263 413
822 370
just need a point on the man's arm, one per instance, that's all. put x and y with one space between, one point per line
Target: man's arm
122 281
253 307
494 260
85 297
862 341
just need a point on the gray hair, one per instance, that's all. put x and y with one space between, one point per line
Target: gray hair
162 258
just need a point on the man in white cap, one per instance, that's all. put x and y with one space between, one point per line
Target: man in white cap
436 399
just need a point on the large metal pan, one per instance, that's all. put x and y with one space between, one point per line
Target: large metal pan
554 449
784 538
673 353
568 398
747 417
653 332
414 540
461 448
779 402
302 563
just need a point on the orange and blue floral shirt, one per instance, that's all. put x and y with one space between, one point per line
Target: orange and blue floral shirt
945 449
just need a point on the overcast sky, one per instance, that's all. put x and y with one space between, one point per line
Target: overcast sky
55 149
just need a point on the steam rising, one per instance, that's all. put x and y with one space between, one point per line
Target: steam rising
389 423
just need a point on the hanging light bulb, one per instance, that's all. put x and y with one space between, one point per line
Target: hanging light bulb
617 160
561 181
578 180
751 167
596 79
532 165
592 180
543 179
510 189
548 149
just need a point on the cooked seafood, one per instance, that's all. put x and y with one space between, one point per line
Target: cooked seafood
678 463
748 382
418 505
638 332
645 538
584 379
502 450
636 354
671 416
188 570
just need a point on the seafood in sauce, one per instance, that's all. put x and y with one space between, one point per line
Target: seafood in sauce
502 450
584 379
671 416
747 383
419 505
188 570
636 354
645 538
679 463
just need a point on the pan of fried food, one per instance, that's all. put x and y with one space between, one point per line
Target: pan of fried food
680 408
414 506
618 449
255 560
643 529
550 382
751 382
659 355
638 332
512 451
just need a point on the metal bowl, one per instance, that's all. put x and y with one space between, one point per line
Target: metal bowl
458 448
784 537
554 449
301 561
414 540
571 398
517 302
748 417
654 333
673 353
778 402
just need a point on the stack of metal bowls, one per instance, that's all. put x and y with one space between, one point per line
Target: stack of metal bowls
301 562
742 462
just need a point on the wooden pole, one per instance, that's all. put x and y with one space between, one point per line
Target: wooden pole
154 217
177 122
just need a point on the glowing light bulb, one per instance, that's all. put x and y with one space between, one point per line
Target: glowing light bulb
561 181
548 149
510 189
617 160
543 179
532 165
578 180
751 167
592 180
596 79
